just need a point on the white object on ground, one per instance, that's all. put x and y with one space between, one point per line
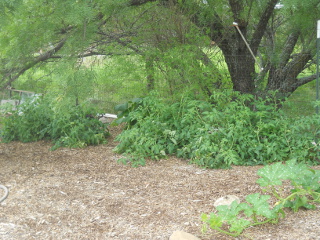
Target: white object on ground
6 193
226 200
181 235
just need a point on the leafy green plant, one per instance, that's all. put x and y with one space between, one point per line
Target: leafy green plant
28 122
304 180
233 219
38 119
77 128
125 108
305 192
217 134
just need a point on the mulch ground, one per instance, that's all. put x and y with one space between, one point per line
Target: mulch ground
87 194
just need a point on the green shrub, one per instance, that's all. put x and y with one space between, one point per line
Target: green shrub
38 119
28 123
232 129
77 128
124 109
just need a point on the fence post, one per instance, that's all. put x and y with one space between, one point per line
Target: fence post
317 80
318 57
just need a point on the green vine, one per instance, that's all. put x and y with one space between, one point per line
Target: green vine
305 192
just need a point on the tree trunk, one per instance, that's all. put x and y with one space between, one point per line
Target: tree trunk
284 78
150 73
241 69
240 62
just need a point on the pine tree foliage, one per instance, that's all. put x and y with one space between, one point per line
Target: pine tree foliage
178 43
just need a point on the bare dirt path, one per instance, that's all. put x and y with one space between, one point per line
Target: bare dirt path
86 194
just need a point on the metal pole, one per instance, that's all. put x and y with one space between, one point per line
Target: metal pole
247 44
318 57
317 81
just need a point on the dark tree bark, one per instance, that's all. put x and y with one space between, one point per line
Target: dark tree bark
285 78
242 70
241 63
12 74
150 73
282 75
139 2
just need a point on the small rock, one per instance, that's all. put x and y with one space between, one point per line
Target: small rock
181 235
107 118
226 200
103 120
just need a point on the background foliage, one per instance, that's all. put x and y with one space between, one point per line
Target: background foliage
65 127
102 53
219 133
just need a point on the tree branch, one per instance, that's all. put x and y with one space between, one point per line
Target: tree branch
236 8
262 25
288 48
10 77
299 82
139 2
297 64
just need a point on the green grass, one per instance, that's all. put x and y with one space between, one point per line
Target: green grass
301 102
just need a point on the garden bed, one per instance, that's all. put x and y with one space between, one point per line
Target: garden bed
86 194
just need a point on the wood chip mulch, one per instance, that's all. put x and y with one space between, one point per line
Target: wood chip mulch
87 194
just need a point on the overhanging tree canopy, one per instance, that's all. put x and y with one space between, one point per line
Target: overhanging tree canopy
283 38
34 33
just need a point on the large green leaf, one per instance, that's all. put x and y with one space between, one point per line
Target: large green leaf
273 174
260 205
